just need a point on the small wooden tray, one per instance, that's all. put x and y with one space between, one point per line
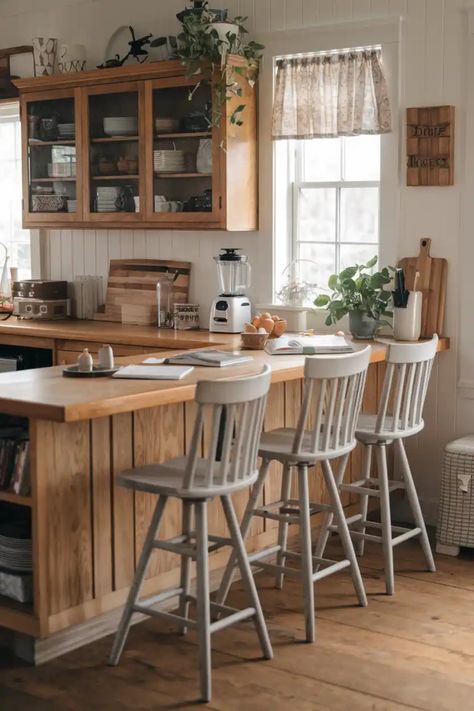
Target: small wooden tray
72 371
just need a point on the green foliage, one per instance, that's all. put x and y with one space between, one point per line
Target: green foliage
204 54
357 289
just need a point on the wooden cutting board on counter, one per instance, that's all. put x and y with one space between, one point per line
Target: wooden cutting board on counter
131 289
432 282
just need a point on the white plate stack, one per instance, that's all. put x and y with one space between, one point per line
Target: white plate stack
15 549
107 197
168 161
62 170
72 205
67 131
121 126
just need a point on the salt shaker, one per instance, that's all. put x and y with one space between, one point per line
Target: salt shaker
106 356
85 361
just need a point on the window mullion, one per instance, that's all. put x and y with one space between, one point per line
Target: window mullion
338 229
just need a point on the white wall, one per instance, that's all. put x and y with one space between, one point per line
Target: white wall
433 54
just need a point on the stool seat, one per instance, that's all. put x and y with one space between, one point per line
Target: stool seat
168 479
278 444
367 427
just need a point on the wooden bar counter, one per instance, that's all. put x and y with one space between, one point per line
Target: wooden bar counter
87 531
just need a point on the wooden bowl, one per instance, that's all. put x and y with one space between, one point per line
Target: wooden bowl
253 341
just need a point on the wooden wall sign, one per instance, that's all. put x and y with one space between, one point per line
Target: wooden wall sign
430 146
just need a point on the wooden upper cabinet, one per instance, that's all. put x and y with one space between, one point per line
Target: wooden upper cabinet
128 147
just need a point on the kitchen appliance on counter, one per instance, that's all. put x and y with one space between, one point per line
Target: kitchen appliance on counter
231 309
38 299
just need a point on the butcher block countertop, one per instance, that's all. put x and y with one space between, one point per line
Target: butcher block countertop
107 332
46 394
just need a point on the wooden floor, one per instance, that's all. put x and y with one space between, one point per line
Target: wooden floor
412 651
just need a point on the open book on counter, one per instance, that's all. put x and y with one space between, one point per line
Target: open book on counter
293 344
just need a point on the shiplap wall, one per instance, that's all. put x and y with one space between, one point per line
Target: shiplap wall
433 48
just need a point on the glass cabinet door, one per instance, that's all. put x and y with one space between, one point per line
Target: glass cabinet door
114 160
183 155
52 181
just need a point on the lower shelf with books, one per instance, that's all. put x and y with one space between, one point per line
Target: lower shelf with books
14 458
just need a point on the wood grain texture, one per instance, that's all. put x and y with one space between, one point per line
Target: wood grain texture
123 501
158 435
101 504
432 283
64 455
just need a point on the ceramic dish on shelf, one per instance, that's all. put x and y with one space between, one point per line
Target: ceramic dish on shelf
62 170
120 126
48 203
168 161
72 205
166 125
66 130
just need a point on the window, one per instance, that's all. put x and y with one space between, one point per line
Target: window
12 235
334 186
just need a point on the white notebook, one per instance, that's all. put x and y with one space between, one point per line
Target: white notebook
153 372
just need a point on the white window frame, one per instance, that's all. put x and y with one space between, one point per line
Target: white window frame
299 183
386 33
35 235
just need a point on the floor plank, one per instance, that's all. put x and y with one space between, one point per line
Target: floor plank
414 650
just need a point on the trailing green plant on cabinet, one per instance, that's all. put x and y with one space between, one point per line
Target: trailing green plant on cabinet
143 145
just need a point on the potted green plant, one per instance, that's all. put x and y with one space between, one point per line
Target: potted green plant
361 293
203 46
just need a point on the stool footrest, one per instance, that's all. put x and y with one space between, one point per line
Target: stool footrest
263 553
289 511
182 545
370 487
162 615
404 533
232 618
332 566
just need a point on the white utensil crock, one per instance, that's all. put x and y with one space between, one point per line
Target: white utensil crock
407 322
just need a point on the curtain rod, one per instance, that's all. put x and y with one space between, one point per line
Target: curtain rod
329 52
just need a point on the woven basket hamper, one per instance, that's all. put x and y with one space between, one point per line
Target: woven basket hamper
456 506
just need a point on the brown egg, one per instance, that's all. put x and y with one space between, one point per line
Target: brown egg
279 328
266 315
256 321
250 328
267 324
276 318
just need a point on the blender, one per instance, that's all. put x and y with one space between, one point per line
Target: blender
231 309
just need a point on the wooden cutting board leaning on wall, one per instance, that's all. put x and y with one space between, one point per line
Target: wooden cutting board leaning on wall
432 282
131 289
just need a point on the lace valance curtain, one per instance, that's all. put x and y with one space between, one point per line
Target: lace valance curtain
336 94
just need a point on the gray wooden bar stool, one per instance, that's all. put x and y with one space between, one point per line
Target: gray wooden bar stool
236 409
332 398
400 415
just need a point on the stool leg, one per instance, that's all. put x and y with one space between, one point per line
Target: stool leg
415 504
185 567
228 576
344 532
202 599
247 576
364 499
382 472
324 532
283 525
134 592
306 552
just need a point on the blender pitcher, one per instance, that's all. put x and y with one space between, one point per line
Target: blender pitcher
233 271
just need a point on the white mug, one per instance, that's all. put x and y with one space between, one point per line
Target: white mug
407 322
136 200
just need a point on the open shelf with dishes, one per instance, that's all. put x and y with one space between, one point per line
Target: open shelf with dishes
136 146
